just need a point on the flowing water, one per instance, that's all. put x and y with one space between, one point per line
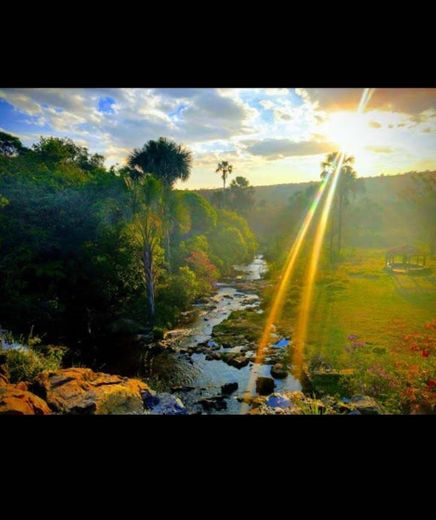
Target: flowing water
199 378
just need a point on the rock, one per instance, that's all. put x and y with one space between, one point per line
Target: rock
229 388
15 401
83 391
279 371
213 356
238 361
278 401
164 404
213 403
213 345
331 382
365 405
4 374
265 385
284 342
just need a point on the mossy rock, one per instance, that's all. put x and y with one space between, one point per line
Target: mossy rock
331 382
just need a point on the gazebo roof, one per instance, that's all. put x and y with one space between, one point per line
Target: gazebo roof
405 250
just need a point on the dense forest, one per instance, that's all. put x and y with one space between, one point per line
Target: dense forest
87 251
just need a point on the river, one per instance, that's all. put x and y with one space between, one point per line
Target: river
192 377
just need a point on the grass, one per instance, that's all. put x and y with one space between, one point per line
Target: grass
380 324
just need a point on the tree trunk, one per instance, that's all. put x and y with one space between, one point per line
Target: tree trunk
167 225
224 191
149 281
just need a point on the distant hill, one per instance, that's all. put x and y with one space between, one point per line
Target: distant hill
380 189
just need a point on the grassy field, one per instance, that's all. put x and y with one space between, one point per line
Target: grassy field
382 326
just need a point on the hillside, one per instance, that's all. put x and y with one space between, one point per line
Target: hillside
378 188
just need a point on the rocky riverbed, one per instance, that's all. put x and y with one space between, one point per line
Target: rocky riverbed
203 368
208 364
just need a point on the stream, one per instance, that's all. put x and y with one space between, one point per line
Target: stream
190 376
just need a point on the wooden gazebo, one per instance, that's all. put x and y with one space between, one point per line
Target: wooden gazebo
405 259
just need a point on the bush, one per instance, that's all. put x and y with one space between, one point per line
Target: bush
25 364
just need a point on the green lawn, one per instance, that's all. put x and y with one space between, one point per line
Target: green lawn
381 325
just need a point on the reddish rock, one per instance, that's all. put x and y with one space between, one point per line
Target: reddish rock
83 391
14 401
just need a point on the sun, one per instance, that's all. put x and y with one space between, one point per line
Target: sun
349 130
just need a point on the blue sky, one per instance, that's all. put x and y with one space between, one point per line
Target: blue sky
271 136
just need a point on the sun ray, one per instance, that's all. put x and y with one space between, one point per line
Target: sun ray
287 272
306 300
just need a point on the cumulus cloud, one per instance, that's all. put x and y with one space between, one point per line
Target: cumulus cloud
245 126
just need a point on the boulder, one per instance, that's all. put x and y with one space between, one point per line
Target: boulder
4 374
229 388
15 401
278 401
164 404
238 361
365 405
213 403
326 381
265 385
279 371
83 391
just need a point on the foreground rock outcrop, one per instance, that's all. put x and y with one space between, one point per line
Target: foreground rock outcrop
83 391
15 401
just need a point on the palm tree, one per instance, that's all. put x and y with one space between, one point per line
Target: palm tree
146 207
345 187
225 168
168 162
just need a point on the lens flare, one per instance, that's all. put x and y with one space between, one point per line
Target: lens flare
306 299
284 280
282 286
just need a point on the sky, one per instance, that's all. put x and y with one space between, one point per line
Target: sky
269 135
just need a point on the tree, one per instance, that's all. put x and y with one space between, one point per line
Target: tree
10 145
225 168
146 204
241 195
54 150
167 162
345 187
420 194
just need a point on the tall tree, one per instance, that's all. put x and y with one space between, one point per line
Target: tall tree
225 168
241 195
167 162
146 205
10 145
420 194
345 188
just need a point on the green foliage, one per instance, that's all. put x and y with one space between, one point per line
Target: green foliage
164 159
82 247
232 242
241 196
176 292
26 364
10 145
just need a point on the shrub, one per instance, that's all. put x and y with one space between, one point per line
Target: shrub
25 364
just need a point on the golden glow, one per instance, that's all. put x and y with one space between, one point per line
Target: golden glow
331 180
281 288
306 300
351 131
